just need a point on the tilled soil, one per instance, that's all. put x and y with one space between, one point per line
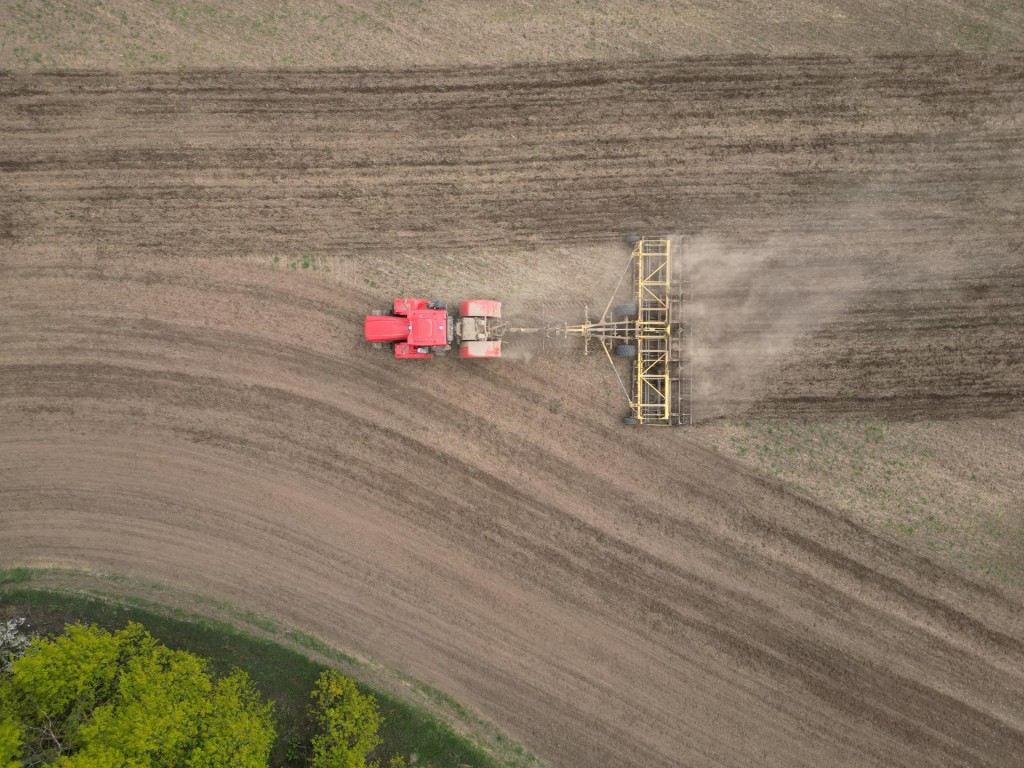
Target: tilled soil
262 34
172 411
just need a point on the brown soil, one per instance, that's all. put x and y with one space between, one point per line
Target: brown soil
134 34
178 406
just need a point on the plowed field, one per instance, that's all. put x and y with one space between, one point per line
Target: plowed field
178 403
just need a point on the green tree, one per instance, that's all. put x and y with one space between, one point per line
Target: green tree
92 698
10 743
347 723
233 732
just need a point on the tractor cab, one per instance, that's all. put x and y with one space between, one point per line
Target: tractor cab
418 328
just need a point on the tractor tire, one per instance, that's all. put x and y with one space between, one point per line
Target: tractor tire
625 350
631 421
377 345
625 311
378 312
437 305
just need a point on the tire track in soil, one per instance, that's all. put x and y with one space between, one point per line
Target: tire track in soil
609 597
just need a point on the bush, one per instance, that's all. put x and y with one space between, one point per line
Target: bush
347 722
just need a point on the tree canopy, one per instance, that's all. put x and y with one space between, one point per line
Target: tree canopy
347 722
90 698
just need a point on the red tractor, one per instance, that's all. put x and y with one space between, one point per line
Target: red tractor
418 328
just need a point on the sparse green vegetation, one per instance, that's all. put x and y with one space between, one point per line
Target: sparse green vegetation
302 261
892 475
15 575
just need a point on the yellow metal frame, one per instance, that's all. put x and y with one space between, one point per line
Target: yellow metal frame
657 390
653 375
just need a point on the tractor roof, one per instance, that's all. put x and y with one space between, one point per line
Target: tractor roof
428 327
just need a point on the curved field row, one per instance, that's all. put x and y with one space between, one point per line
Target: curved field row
173 411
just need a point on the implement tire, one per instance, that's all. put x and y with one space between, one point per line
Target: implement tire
625 311
625 350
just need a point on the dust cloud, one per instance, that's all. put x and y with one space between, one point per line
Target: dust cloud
875 317
749 307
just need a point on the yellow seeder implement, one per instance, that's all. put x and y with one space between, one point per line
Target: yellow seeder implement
646 333
649 332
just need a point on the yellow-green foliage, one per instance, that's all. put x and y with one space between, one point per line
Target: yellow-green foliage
10 743
234 731
63 678
92 698
347 723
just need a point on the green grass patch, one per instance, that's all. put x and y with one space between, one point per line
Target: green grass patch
440 697
303 261
15 575
316 645
283 675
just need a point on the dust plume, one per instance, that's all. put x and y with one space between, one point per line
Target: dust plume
843 323
749 307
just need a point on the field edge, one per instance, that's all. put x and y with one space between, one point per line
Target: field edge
133 597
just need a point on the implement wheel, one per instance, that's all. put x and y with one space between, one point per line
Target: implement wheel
625 350
625 311
631 421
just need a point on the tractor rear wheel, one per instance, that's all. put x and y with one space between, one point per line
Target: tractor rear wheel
625 350
378 312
